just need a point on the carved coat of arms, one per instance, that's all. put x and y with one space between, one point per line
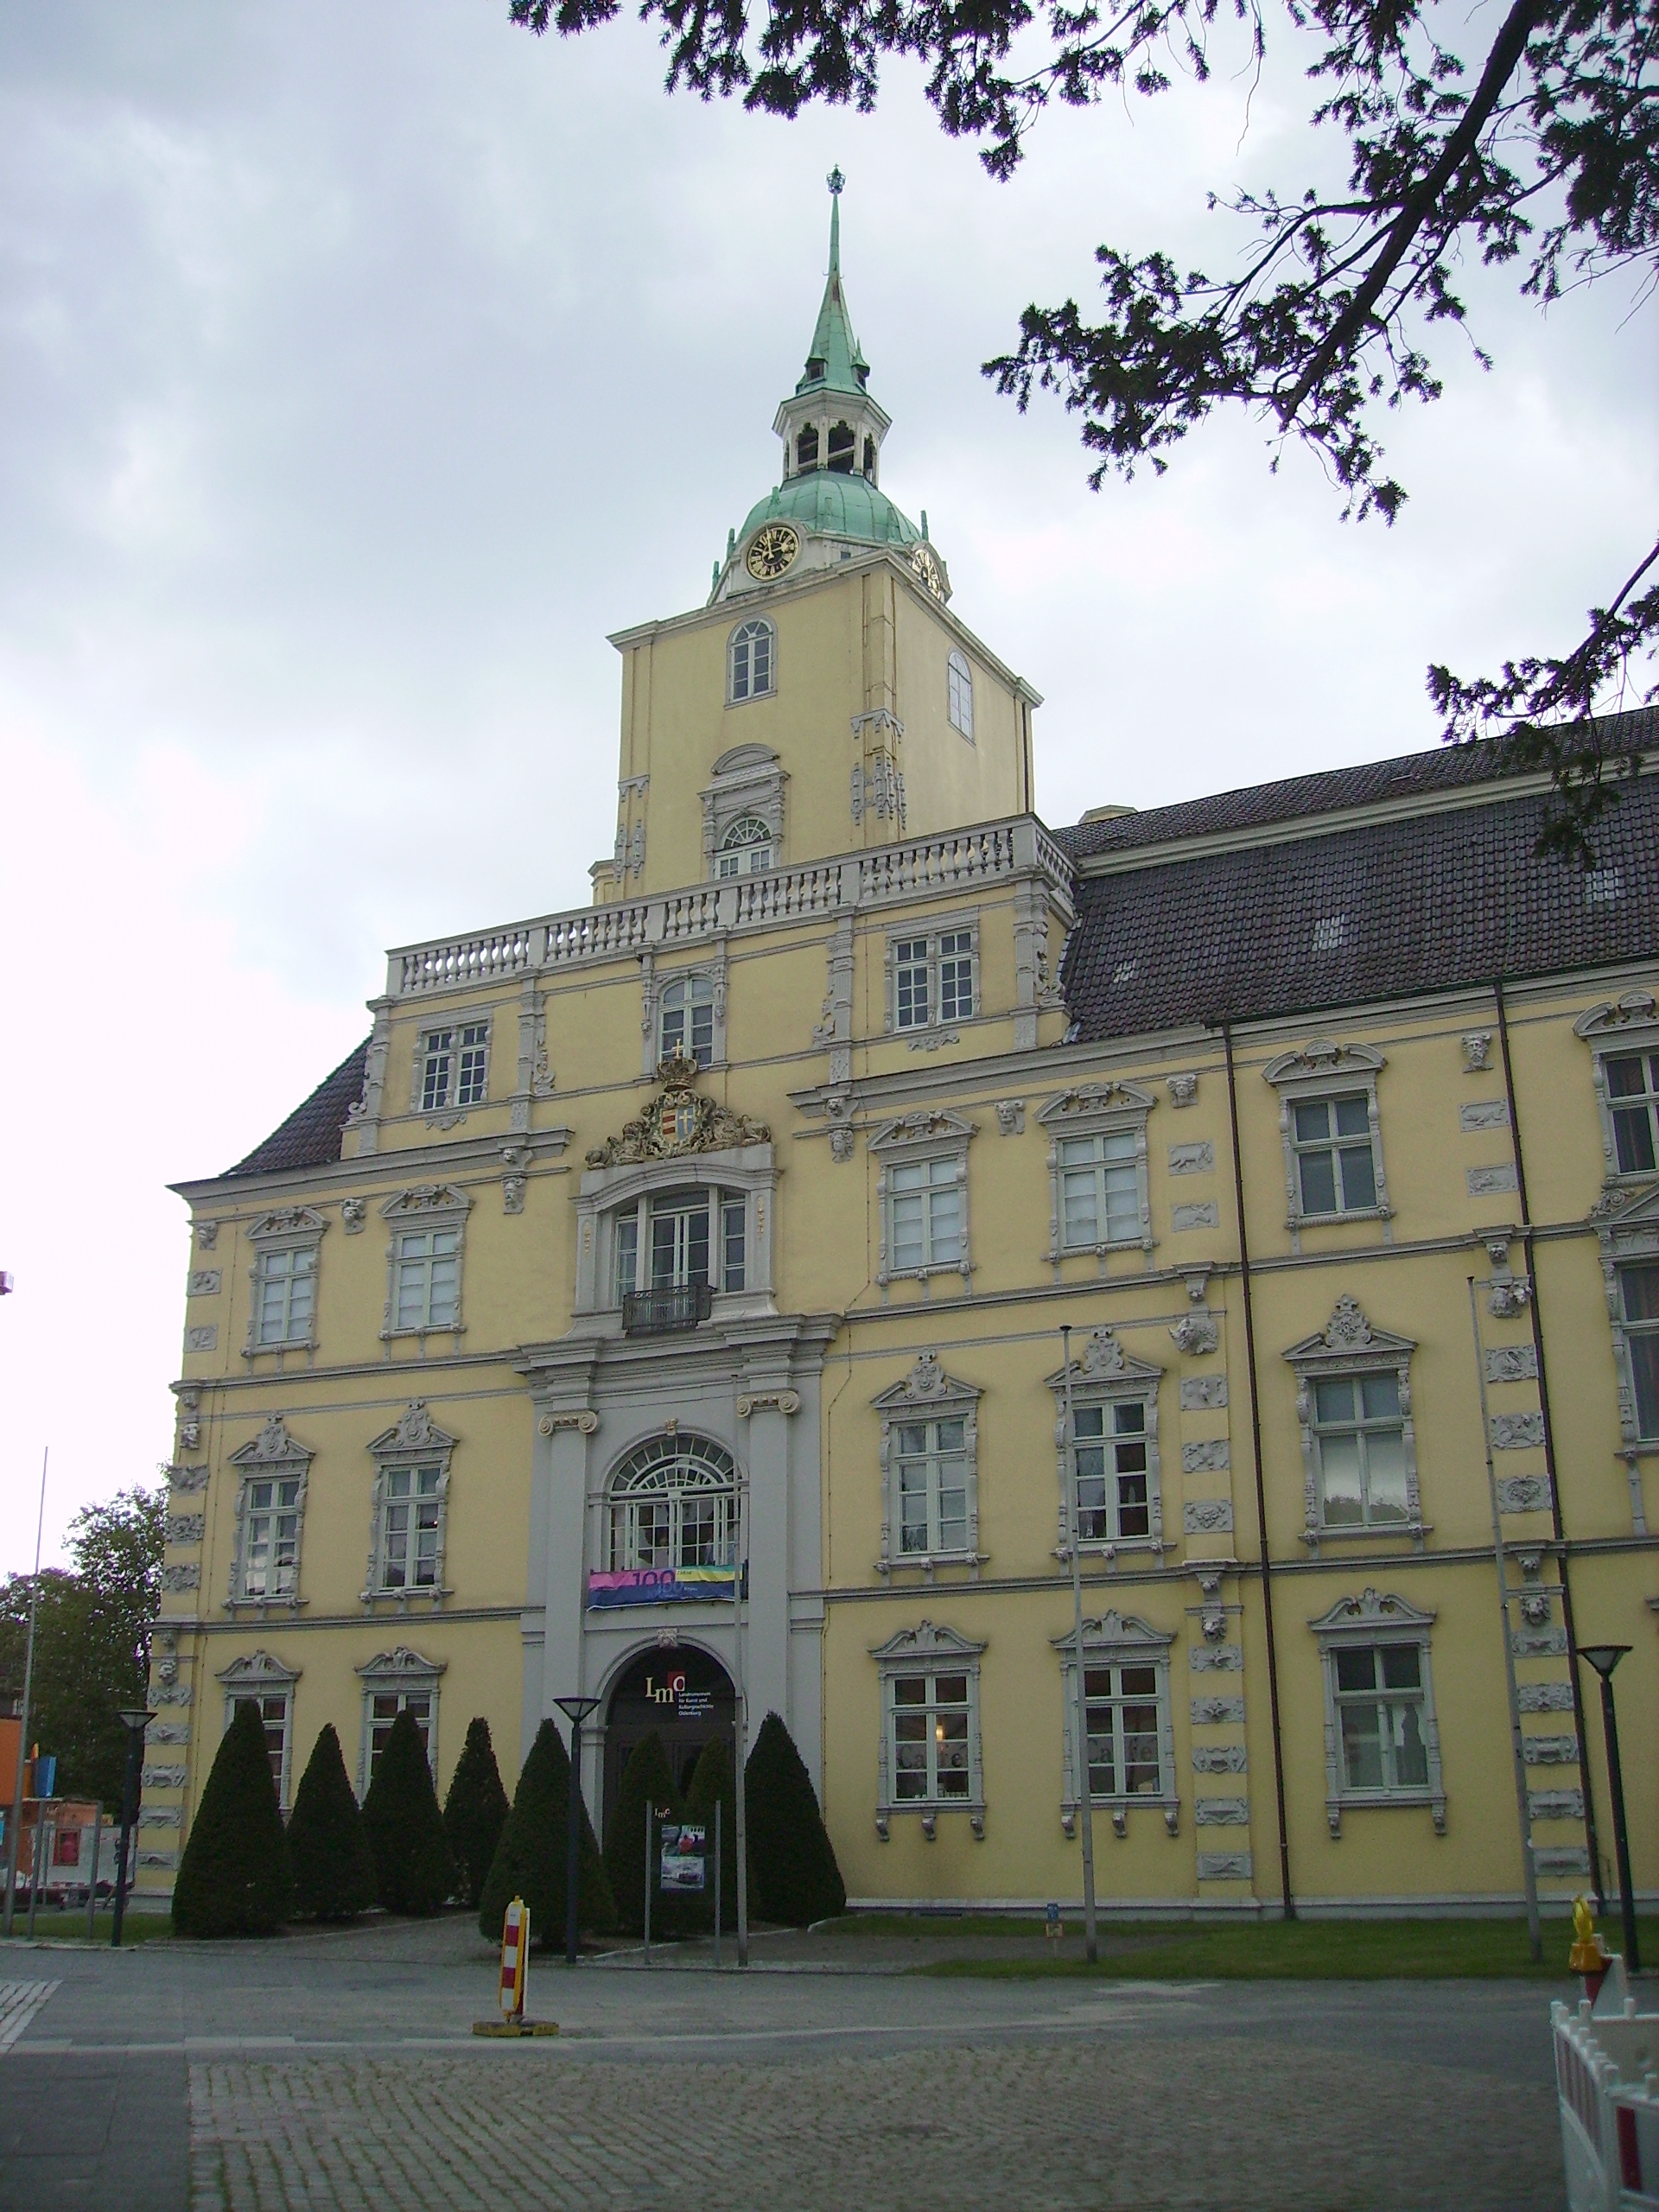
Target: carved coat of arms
679 1119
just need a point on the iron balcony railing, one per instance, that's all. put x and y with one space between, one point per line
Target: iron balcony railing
654 1312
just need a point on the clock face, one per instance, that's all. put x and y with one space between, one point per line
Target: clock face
770 551
922 560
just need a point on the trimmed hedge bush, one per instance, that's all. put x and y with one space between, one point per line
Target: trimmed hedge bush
413 1871
235 1878
792 1860
529 1859
333 1867
475 1812
715 1781
645 1777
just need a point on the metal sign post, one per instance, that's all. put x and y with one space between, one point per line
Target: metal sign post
649 1815
720 1808
14 1824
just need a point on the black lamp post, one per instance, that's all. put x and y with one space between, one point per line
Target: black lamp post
135 1719
1604 1657
575 1711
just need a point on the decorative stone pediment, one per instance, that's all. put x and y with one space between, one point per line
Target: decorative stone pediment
1318 1058
1116 1631
415 1432
1614 1018
421 1200
1103 1359
1620 1209
1372 1609
1348 1334
924 1125
258 1671
273 1447
926 1384
287 1221
927 1645
678 1120
1092 1098
401 1664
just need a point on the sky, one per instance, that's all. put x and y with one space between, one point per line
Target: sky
364 367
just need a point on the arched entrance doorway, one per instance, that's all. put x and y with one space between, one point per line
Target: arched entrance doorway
683 1693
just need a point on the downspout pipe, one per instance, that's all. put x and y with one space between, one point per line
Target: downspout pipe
1287 1894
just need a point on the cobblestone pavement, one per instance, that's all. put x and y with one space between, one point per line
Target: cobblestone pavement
1034 2126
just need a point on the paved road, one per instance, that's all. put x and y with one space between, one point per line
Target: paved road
333 2070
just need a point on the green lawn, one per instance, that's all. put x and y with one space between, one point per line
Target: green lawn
1357 1950
136 1928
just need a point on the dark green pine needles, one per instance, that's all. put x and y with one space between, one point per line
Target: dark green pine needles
713 1783
235 1878
475 1812
333 1867
413 1873
530 1859
792 1860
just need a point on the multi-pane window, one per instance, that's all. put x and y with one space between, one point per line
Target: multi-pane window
674 1504
384 1706
686 1023
1336 1167
934 979
734 1242
1633 1101
1111 1472
1100 1189
1121 1704
959 693
925 1214
411 1510
273 1709
1359 1440
957 976
912 977
270 1536
690 1236
1379 1692
749 659
746 849
455 1067
285 1295
426 1271
931 1471
1639 1298
930 1719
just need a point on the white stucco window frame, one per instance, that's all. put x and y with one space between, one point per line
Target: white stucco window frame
1371 1618
747 779
746 1171
448 1113
426 1205
286 1229
1627 1235
1092 1110
1104 1374
416 1440
927 1394
927 1649
1317 1070
1349 1346
1614 1029
938 1025
654 981
926 1134
259 1676
748 621
272 1456
400 1673
1116 1639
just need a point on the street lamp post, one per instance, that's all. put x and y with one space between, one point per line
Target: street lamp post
575 1711
135 1719
1080 1713
1604 1657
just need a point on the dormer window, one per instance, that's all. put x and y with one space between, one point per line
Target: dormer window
806 448
746 849
843 448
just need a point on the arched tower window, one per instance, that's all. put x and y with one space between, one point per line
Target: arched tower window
806 448
746 849
749 657
687 1022
674 1504
842 449
959 680
870 459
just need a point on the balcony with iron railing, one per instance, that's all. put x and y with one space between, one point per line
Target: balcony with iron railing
671 1305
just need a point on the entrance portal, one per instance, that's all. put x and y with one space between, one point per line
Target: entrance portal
683 1693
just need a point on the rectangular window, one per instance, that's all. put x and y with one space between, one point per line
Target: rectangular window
428 1267
270 1538
470 1074
286 1296
1379 1697
627 1254
455 1067
1100 1189
1121 1705
1638 1297
924 1203
733 1239
679 1242
1335 1164
383 1709
930 1718
957 976
914 1002
1359 1436
931 1462
934 979
273 1709
1111 1472
409 1546
1633 1097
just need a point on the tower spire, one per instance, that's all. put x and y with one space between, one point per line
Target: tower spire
836 361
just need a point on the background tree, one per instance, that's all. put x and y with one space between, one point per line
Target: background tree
1541 151
474 1812
235 1878
328 1846
645 1777
92 1640
792 1860
413 1871
532 1855
714 1781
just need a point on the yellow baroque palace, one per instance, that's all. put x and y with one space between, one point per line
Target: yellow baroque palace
876 1186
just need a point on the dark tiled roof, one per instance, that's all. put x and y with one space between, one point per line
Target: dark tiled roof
1429 902
1372 782
310 1135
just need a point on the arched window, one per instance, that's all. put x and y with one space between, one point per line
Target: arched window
686 1025
749 659
746 849
806 448
842 446
959 679
870 459
674 1504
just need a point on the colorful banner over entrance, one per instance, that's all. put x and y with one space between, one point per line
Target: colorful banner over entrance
660 1586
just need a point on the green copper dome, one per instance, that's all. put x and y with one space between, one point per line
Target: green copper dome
833 505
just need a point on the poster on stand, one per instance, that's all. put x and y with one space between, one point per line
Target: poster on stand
684 1857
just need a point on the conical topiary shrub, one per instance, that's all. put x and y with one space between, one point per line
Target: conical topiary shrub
792 1860
412 1869
333 1867
234 1879
645 1778
474 1812
715 1781
531 1857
